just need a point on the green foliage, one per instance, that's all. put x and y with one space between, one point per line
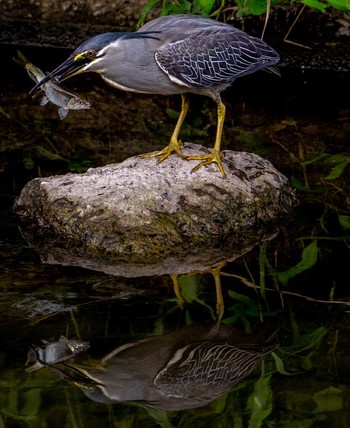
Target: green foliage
24 405
344 221
201 7
315 4
260 401
338 162
305 347
309 257
159 416
190 289
252 7
243 307
168 7
343 5
79 167
280 365
245 7
298 185
310 341
330 399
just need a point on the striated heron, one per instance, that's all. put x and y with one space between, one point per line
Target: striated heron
184 369
173 54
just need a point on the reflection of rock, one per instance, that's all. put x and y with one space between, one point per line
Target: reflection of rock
120 218
185 369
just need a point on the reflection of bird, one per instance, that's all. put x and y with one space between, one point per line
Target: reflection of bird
185 369
174 55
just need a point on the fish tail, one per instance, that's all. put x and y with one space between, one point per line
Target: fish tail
21 59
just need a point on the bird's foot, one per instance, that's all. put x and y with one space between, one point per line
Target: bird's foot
174 146
213 157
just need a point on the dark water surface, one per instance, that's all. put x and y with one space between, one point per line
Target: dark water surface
298 282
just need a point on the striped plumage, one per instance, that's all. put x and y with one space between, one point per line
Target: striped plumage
209 368
202 53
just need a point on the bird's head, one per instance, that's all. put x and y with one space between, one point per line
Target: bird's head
99 54
85 58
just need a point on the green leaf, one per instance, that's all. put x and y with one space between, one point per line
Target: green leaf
329 400
337 158
315 4
343 5
183 6
203 6
344 221
298 185
338 170
308 259
159 416
173 114
260 401
313 160
32 402
280 365
243 306
145 10
190 288
252 7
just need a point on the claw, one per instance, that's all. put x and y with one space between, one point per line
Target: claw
174 146
213 157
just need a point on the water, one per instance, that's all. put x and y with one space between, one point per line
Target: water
298 282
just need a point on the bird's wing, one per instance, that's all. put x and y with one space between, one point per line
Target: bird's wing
205 368
211 58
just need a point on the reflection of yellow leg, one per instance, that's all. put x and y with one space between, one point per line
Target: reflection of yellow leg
220 305
175 143
177 290
215 155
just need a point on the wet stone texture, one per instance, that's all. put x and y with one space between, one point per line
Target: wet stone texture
142 218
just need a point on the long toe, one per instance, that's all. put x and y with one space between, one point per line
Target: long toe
166 152
213 157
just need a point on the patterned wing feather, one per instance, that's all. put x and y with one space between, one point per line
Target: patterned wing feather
214 58
206 368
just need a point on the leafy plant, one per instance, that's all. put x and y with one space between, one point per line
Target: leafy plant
309 257
252 7
242 7
260 401
343 5
338 162
200 7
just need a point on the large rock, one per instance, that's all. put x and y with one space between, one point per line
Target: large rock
142 218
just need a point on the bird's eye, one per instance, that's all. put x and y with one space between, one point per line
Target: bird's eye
91 53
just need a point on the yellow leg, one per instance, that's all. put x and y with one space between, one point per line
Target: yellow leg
215 155
177 290
220 305
175 143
